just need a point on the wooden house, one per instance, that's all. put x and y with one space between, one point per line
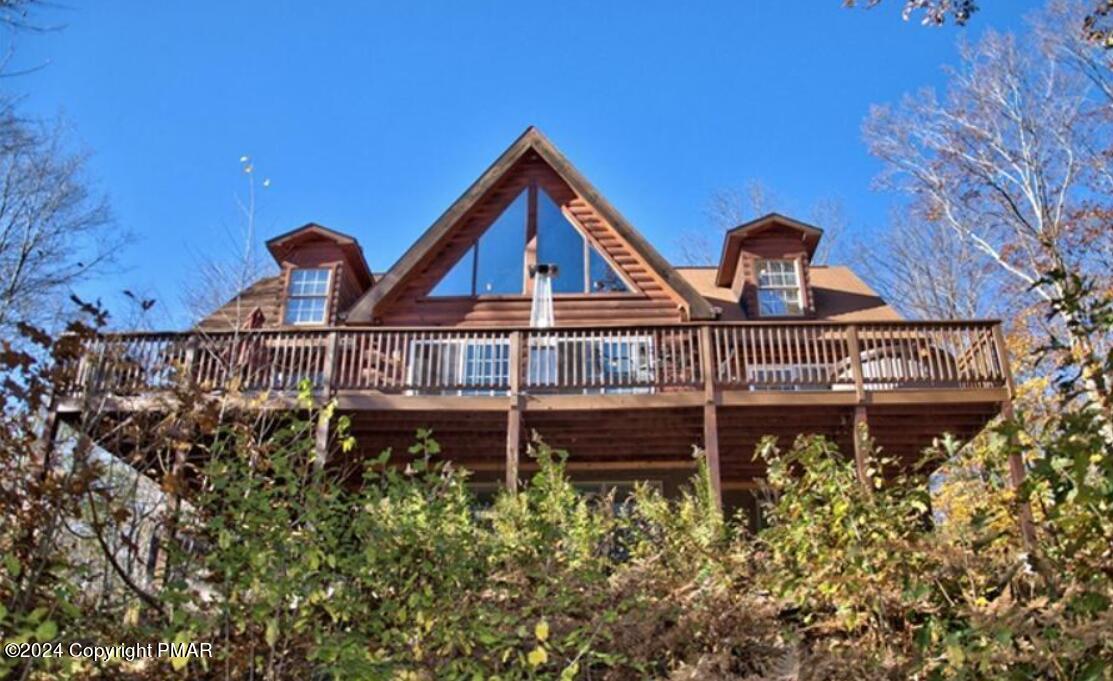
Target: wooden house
644 360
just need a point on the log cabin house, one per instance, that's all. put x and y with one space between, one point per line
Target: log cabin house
633 363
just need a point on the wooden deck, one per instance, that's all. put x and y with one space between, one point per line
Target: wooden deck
619 397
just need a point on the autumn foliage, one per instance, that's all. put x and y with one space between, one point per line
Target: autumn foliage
293 570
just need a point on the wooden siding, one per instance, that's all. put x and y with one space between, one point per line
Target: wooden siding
409 304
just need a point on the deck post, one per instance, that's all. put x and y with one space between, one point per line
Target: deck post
320 445
514 412
855 350
188 375
47 439
1017 472
711 414
861 442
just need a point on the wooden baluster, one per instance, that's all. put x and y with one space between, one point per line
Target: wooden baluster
932 350
426 362
329 362
691 356
932 360
369 361
729 358
392 359
390 362
807 371
407 369
939 370
717 356
654 352
343 358
369 352
746 345
766 354
904 368
380 361
798 357
298 360
985 342
730 337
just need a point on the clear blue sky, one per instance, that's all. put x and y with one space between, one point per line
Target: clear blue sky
371 118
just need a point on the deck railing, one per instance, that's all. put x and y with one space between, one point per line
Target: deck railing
575 360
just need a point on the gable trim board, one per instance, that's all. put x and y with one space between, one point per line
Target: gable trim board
364 310
281 246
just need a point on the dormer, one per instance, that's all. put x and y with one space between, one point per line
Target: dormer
322 273
766 263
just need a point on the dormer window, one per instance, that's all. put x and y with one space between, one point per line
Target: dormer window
307 296
778 288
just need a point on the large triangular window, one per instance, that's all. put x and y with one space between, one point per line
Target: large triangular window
580 267
497 263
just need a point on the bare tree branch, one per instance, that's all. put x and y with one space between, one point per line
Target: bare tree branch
55 231
928 272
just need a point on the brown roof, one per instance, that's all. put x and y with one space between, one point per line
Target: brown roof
363 310
839 295
264 295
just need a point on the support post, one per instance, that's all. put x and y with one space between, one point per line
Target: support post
1017 472
711 414
861 441
48 437
514 413
320 444
854 347
188 374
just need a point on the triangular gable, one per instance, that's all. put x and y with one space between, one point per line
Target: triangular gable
491 193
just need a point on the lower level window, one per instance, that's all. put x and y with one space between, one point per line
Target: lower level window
460 366
605 364
482 366
787 377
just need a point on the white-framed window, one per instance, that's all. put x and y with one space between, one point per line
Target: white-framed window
481 366
460 366
601 364
778 288
307 296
